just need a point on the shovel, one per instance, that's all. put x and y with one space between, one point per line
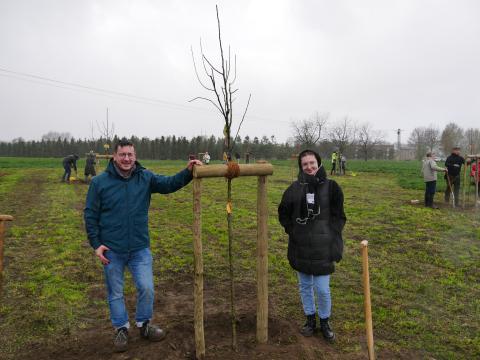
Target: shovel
452 195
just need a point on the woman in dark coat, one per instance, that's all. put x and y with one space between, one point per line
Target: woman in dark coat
312 215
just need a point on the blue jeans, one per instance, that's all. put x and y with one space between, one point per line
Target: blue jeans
67 173
311 284
140 265
430 189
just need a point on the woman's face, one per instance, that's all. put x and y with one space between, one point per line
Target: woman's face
309 164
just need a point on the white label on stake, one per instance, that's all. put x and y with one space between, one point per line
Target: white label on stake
310 198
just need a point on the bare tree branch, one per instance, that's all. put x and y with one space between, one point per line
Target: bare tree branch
206 99
196 72
243 117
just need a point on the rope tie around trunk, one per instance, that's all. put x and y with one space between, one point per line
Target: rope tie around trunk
233 170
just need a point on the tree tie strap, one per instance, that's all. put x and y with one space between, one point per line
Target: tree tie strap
233 170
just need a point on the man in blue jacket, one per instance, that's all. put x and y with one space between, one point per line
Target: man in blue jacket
116 220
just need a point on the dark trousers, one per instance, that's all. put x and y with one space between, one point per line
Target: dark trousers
430 188
66 174
334 167
455 181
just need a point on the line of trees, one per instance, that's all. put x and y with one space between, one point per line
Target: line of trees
350 138
430 138
161 148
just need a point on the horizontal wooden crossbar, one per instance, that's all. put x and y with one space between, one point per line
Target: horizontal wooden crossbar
221 170
6 217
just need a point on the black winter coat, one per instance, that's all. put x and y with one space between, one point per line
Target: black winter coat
313 247
454 164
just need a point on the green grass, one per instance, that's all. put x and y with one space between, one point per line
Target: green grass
423 263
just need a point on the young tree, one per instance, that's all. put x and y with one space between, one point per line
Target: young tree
220 83
106 130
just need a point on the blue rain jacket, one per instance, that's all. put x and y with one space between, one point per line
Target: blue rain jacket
116 210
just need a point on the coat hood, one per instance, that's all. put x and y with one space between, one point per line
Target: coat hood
321 174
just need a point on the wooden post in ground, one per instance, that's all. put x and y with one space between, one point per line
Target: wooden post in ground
198 279
464 183
262 261
262 170
368 304
3 218
477 177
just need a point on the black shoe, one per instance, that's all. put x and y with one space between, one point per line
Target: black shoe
120 343
151 332
326 330
310 326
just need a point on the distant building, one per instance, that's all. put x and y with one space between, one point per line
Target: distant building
376 152
405 152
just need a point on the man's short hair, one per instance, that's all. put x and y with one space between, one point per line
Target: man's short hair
122 142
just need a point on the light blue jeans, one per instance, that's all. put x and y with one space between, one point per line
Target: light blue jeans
140 265
311 284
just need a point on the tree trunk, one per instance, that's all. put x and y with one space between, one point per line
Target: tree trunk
230 260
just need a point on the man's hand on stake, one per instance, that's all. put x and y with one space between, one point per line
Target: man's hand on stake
99 253
193 162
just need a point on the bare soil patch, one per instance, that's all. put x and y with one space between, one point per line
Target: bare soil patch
174 312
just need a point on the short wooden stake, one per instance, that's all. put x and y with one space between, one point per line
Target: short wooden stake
3 218
198 279
262 261
368 304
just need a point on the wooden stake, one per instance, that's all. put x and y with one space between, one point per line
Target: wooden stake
3 218
368 305
221 170
464 184
198 279
476 178
262 261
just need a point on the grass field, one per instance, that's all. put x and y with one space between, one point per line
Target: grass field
424 269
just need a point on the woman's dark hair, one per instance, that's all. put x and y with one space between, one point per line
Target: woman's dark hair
122 142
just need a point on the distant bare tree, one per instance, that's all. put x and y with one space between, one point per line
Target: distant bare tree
451 136
307 133
342 134
472 140
432 137
417 139
54 136
368 138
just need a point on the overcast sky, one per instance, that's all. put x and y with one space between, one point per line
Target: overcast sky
395 64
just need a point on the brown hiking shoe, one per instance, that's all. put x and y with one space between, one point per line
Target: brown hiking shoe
120 343
151 332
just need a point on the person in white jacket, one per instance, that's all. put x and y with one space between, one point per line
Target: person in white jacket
429 170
